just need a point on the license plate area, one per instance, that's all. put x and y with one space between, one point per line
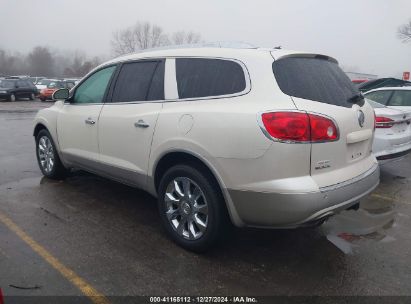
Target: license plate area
357 151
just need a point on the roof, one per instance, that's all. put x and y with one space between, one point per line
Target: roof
222 50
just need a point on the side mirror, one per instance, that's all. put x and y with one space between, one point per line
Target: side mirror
61 94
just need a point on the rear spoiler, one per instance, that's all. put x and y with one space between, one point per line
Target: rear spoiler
303 55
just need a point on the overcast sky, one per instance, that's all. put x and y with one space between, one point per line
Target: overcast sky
360 34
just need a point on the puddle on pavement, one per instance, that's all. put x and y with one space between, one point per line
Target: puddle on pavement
349 229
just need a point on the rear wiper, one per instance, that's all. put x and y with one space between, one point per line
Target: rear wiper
356 98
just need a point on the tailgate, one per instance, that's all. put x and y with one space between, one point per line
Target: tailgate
349 156
317 85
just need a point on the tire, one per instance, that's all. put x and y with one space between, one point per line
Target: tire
203 211
12 98
32 96
49 164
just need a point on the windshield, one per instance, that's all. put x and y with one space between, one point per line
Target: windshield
55 85
315 78
8 84
45 82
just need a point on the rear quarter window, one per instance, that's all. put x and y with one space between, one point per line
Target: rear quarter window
201 77
313 78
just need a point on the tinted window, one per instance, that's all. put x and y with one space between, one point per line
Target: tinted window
30 84
197 77
315 79
379 96
133 82
92 90
401 98
22 84
156 91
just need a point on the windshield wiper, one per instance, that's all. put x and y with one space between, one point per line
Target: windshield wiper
356 98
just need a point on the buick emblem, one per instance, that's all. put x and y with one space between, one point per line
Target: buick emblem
361 118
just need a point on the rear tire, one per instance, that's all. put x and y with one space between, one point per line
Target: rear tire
47 157
191 207
32 96
12 98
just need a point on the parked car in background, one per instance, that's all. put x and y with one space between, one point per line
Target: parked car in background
73 80
43 83
187 126
35 79
382 82
13 89
47 93
358 82
392 97
392 133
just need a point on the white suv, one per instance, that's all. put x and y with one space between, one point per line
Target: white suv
261 137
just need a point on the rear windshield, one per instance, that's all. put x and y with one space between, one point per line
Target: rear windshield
316 79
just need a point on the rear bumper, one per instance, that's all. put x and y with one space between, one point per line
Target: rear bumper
393 154
389 148
290 210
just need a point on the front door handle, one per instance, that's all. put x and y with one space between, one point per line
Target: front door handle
89 121
141 124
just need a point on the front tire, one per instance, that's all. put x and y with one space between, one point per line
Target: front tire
32 96
191 207
47 156
12 98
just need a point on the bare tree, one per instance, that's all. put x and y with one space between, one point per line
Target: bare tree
80 65
40 61
138 37
183 37
404 32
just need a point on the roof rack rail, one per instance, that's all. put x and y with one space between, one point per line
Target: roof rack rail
215 44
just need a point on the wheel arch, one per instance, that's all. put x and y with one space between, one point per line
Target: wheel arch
171 158
39 126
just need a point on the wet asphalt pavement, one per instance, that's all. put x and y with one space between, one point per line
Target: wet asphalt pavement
110 236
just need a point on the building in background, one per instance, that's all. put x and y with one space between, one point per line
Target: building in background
360 77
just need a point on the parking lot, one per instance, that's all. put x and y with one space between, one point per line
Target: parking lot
108 238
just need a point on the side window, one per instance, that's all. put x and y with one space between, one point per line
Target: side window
92 90
401 98
379 96
139 81
156 91
21 84
200 77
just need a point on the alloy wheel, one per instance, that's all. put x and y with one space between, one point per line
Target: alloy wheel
46 154
186 208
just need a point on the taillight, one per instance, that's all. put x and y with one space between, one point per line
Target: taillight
299 127
382 122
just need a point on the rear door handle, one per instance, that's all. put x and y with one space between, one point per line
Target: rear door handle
89 121
141 124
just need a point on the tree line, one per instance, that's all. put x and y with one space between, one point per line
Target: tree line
144 35
404 32
42 61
